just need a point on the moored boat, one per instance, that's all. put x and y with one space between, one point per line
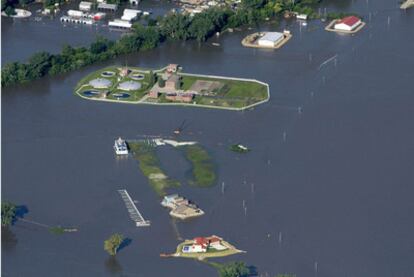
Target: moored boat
120 147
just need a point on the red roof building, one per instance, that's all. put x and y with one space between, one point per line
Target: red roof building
348 23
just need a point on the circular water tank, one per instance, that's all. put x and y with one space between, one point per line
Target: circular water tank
100 83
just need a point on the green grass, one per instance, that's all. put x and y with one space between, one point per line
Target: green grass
203 172
149 165
57 230
236 94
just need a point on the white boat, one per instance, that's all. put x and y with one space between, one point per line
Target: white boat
120 147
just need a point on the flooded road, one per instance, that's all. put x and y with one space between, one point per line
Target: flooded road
328 184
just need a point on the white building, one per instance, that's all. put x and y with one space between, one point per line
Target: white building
85 6
195 248
75 13
348 23
302 16
105 6
118 23
270 39
130 15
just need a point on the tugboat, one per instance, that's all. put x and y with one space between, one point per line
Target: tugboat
120 147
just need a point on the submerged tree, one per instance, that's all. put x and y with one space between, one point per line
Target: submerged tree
112 244
234 269
8 213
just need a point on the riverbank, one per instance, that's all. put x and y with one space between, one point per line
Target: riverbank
169 86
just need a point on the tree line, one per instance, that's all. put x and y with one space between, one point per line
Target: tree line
173 26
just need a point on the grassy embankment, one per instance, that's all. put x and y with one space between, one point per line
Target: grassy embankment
233 93
203 170
134 95
149 165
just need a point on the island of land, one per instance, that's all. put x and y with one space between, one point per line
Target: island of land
170 86
346 25
202 168
204 247
269 40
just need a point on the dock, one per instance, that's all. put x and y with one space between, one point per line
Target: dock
407 4
134 213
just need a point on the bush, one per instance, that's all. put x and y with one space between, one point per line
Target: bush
161 82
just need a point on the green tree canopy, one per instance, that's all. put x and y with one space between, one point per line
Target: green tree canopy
234 269
8 213
112 244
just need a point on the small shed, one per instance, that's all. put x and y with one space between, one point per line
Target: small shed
107 7
85 6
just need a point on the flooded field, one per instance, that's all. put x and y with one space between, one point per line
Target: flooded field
328 182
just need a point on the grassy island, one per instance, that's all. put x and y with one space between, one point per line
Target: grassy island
202 248
203 169
202 166
170 86
149 164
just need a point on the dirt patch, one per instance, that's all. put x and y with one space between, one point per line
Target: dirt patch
203 86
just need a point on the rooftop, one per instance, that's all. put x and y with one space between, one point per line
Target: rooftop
349 20
272 36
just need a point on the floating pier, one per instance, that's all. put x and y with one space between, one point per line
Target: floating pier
134 214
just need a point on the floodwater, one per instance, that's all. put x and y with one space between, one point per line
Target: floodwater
328 184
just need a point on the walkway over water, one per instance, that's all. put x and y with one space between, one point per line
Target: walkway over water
407 4
134 214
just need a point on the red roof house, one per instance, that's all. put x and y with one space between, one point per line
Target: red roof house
348 23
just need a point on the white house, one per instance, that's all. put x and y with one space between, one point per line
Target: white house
348 23
117 23
85 6
302 16
270 39
130 14
195 248
75 13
